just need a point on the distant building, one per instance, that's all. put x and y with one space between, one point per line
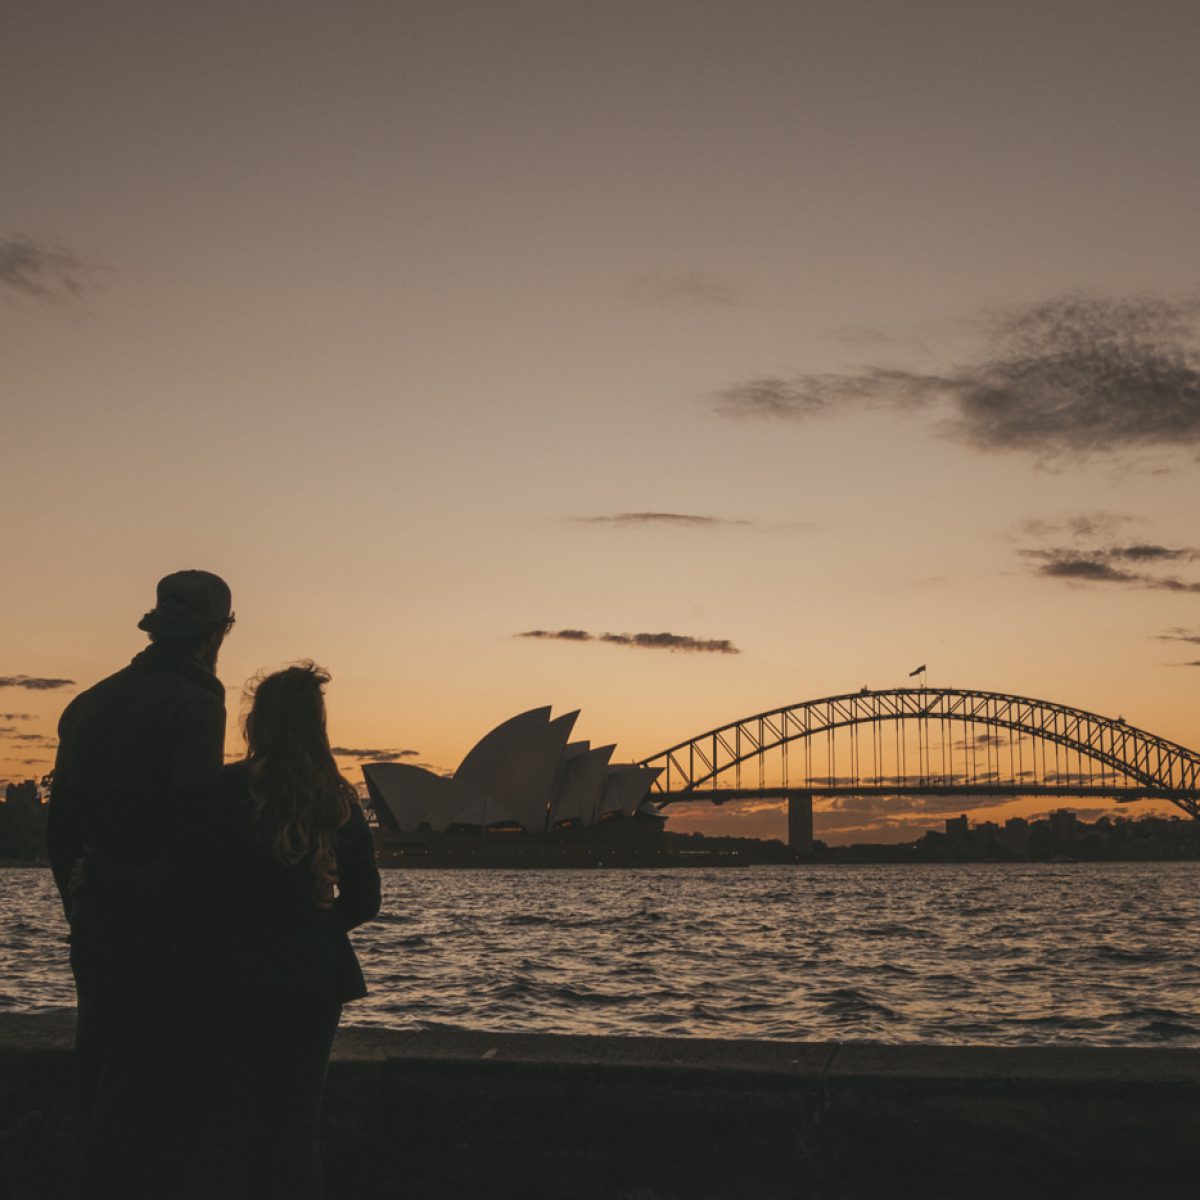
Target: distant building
1015 836
1063 825
22 822
22 793
957 827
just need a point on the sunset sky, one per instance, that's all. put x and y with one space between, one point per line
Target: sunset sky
827 338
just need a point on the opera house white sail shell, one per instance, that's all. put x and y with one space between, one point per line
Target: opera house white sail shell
523 773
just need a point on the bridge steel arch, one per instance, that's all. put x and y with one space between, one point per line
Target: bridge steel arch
1153 767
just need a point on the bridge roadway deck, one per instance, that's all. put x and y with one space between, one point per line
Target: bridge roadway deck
471 1115
723 795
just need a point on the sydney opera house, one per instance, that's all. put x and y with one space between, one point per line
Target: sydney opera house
525 794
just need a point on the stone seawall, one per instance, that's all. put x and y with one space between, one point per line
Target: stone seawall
479 1116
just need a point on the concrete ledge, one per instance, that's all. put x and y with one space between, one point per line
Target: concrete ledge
486 1116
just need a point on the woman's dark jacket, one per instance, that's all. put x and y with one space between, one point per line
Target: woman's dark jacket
253 932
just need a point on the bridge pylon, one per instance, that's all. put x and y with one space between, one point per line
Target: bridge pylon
800 822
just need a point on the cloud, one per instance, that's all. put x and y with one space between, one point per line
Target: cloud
377 755
435 769
677 520
911 826
1069 564
929 806
900 818
1171 584
677 642
35 739
48 274
1098 567
1093 525
814 395
672 641
32 683
1194 663
1067 378
686 289
1179 634
980 739
1126 562
668 520
1079 375
16 716
1147 553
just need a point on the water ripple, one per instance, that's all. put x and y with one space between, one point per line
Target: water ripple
998 954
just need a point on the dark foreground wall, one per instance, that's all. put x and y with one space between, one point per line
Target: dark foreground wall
485 1116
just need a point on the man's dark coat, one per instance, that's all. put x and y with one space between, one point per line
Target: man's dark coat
128 747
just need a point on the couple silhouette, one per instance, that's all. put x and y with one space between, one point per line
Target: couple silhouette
209 906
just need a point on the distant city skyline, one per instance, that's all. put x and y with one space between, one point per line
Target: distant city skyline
672 361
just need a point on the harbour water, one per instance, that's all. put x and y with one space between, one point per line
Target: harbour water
1101 954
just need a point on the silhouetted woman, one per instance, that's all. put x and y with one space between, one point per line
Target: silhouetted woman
266 963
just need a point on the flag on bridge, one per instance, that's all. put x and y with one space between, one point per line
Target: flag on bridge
918 671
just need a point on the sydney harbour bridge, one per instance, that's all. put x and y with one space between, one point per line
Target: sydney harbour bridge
923 741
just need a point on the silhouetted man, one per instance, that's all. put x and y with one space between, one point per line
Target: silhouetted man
128 748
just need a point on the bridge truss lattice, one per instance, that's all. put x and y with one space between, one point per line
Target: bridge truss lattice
926 740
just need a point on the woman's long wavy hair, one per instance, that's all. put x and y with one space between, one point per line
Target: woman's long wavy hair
300 798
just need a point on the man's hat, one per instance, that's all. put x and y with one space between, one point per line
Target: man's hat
189 603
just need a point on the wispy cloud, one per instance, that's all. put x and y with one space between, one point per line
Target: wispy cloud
669 519
1071 564
1148 552
701 521
376 755
1067 378
804 396
48 273
881 827
672 641
678 642
1179 634
1085 559
1092 526
684 289
16 716
980 739
33 683
922 806
1111 565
